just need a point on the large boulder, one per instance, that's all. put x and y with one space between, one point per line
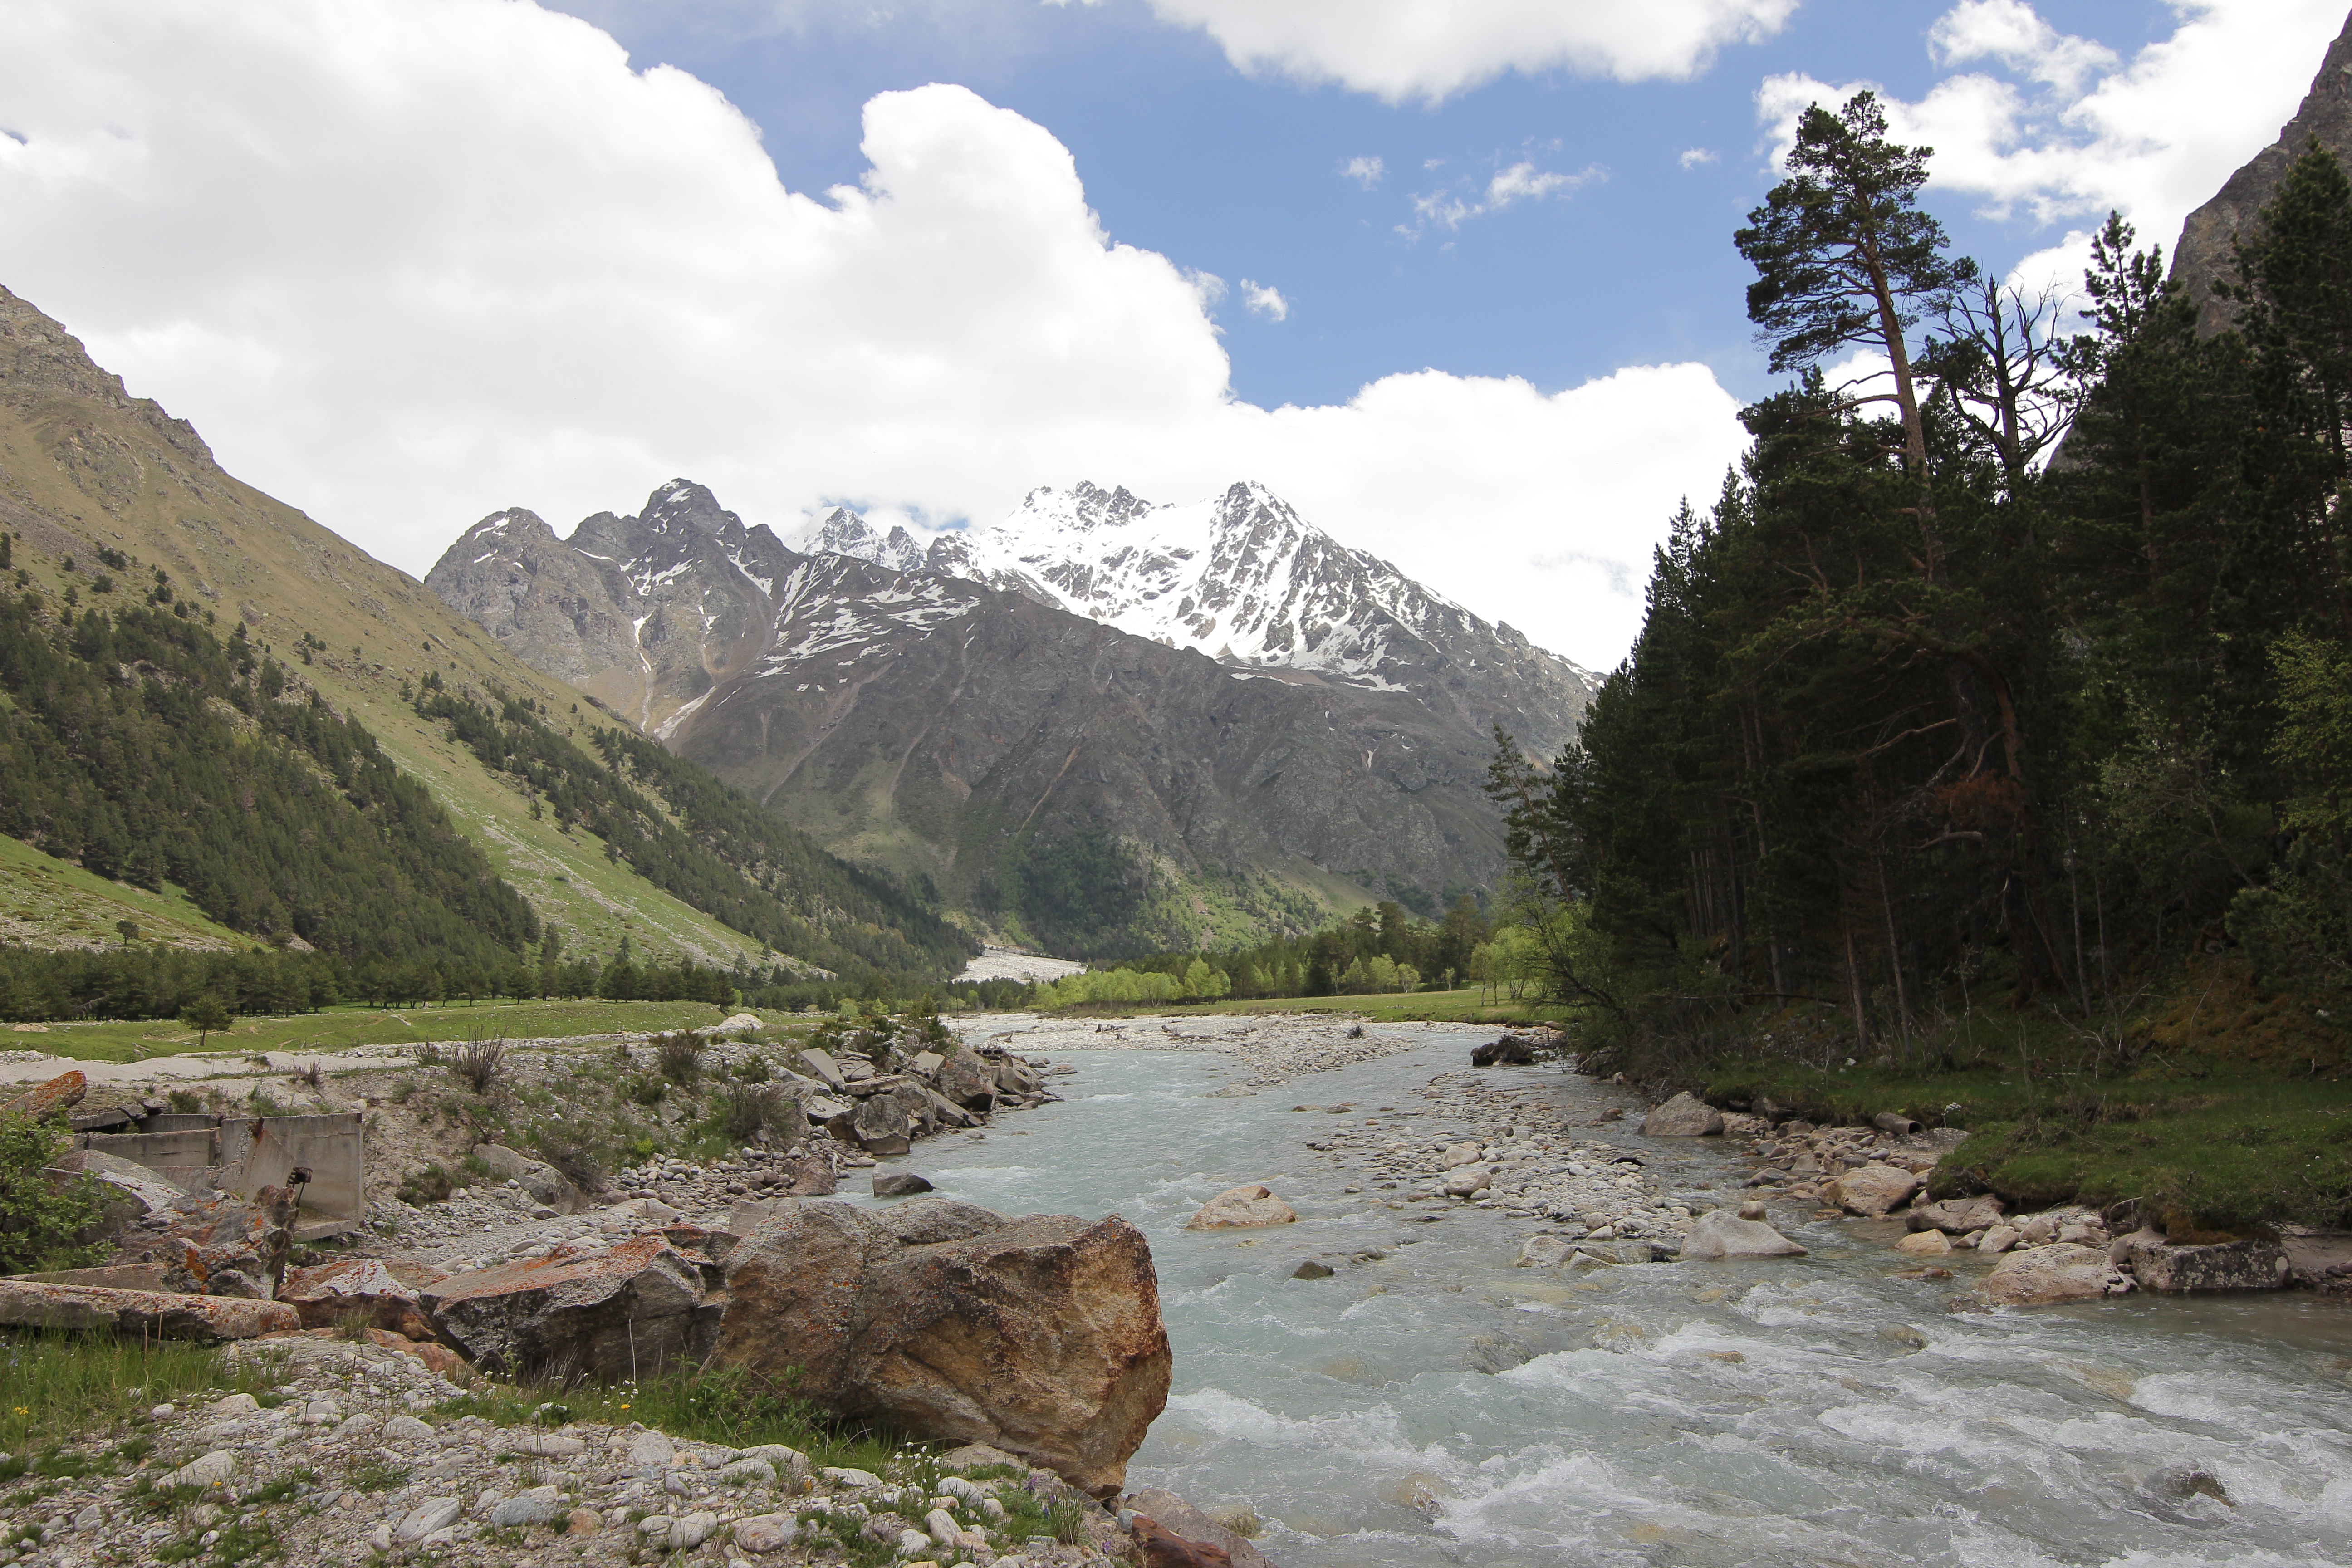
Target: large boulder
804 1172
222 1247
1721 1233
83 1309
1172 1513
880 1125
1041 1336
54 1098
542 1181
2254 1263
1870 1190
1241 1208
1505 1051
1956 1217
329 1294
2059 1271
612 1314
964 1079
1684 1116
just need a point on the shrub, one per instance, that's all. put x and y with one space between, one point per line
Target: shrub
756 1108
479 1064
575 1157
429 1186
680 1056
43 1222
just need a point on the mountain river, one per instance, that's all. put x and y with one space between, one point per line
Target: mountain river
1438 1404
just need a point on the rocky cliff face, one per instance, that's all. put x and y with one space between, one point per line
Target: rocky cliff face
2203 253
1098 789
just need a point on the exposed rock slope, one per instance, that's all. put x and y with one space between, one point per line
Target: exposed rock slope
2203 253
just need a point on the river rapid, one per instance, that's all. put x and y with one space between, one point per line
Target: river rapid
1438 1404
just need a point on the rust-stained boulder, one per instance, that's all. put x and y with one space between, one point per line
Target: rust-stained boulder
329 1292
1170 1511
627 1310
1041 1336
26 1303
967 1080
222 1247
1159 1547
54 1098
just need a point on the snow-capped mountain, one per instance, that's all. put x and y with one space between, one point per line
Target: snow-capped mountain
1301 723
1245 580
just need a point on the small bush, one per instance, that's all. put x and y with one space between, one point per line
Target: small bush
478 1064
756 1108
429 1186
575 1157
680 1056
186 1101
43 1222
755 1070
648 1091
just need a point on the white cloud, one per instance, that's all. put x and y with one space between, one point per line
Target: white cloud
1431 50
2152 137
404 262
1265 299
1365 172
1454 205
1693 157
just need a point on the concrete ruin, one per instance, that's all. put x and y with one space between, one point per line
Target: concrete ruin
323 1158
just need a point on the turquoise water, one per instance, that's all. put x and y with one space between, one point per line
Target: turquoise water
1440 1405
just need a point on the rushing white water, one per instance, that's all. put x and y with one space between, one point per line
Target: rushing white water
1441 1405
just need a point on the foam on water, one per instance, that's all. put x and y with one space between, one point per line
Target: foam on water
1440 1405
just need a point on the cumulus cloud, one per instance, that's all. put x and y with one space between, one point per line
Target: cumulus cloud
1265 299
1432 50
404 262
2075 129
1695 156
1365 172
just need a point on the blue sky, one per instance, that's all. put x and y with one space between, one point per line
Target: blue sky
1239 175
408 262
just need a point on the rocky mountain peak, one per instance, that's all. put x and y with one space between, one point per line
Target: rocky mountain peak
2203 255
842 531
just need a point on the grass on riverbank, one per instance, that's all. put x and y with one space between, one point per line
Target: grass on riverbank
338 1028
2220 1104
58 1387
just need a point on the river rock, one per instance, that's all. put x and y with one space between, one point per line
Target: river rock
2251 1263
327 1293
1684 1116
1469 1181
1241 1208
1956 1217
1871 1190
1724 1235
1998 1240
1156 1546
1172 1513
1508 1050
2321 1259
54 1098
1928 1243
2056 1272
1544 1252
967 1080
881 1126
611 1313
900 1185
1041 1336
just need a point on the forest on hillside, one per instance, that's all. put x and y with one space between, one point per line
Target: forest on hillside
2018 672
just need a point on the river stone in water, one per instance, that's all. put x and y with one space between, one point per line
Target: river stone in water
2250 1264
1871 1190
1725 1234
1956 1217
1925 1244
2055 1272
1241 1208
1041 1336
1684 1116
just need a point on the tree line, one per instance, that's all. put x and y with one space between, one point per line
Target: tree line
1928 707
